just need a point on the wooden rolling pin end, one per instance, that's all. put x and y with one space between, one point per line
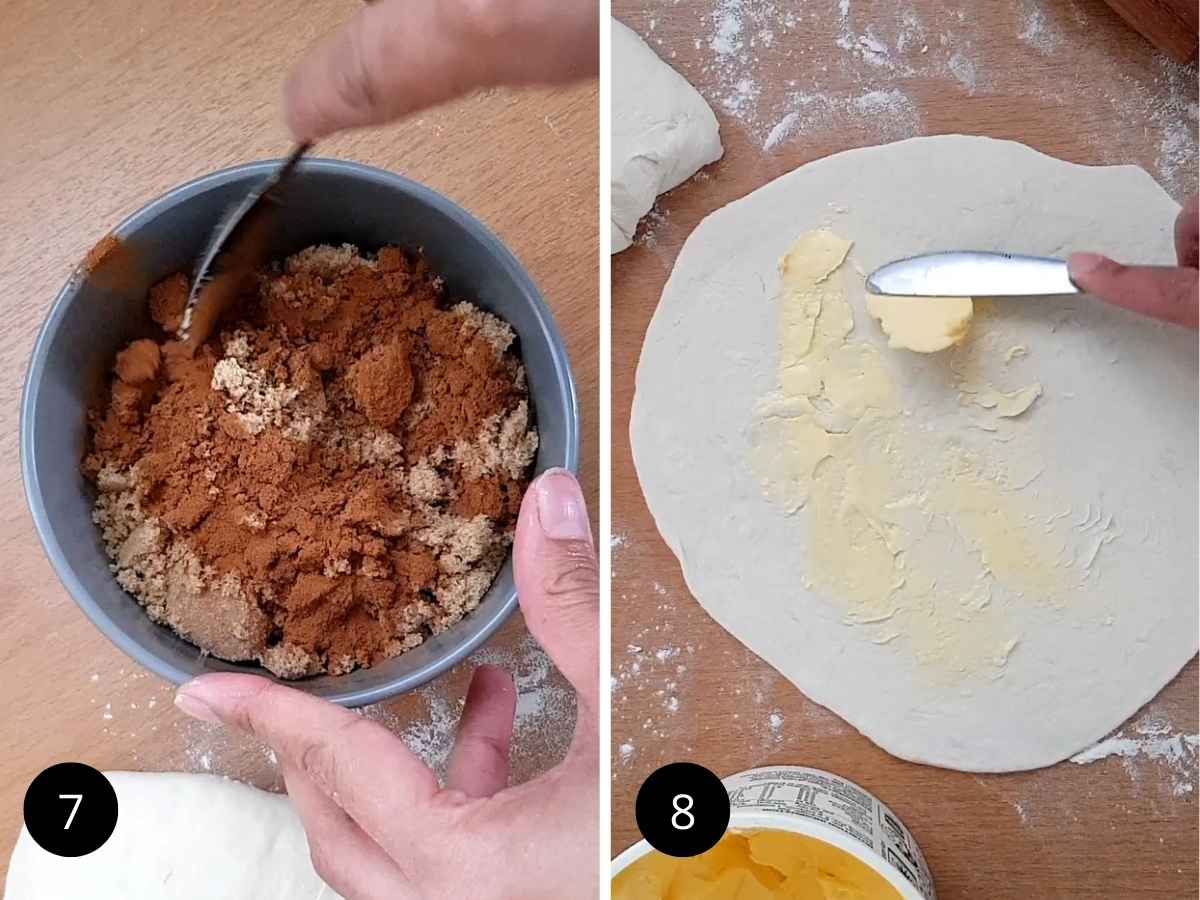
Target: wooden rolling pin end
1170 25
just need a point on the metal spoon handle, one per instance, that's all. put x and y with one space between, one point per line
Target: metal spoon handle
233 252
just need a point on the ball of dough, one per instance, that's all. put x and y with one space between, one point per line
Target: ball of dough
179 837
663 132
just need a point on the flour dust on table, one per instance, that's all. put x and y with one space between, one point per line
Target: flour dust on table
982 558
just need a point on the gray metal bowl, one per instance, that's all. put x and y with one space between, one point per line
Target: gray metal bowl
93 316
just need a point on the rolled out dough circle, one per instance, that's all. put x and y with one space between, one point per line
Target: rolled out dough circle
179 837
1116 425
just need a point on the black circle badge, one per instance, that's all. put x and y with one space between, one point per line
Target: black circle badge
682 809
70 809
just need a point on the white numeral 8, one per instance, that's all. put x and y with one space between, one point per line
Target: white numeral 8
681 812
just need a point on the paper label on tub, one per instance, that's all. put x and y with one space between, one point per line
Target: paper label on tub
837 803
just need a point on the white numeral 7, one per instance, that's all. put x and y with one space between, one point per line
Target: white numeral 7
78 798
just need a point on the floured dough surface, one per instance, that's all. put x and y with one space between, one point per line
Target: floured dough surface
922 324
179 837
941 548
663 131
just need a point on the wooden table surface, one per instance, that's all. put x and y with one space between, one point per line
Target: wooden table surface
104 107
1065 76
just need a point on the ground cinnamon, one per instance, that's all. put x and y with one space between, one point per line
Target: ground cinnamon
333 477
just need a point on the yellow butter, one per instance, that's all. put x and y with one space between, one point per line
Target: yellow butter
911 529
922 324
764 864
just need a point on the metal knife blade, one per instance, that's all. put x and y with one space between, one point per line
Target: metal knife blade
972 273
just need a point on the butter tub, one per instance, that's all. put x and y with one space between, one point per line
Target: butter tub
826 808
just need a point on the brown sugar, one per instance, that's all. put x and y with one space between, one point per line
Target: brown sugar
330 479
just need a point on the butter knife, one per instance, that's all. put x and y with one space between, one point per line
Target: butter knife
235 250
972 273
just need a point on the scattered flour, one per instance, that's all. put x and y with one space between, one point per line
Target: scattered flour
775 724
1020 808
1164 108
430 738
653 672
215 750
892 112
543 725
869 47
1153 99
783 129
754 45
768 70
726 38
656 710
963 71
911 34
737 31
618 543
742 98
892 109
545 717
1037 31
653 222
1152 740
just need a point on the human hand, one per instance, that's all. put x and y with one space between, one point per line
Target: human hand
398 56
379 825
1164 292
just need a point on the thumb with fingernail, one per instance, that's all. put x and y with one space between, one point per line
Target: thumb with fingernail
558 580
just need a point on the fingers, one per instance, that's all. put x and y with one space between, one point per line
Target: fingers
342 854
1187 234
558 580
479 762
360 765
1164 292
398 56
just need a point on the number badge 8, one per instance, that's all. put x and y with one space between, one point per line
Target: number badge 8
682 809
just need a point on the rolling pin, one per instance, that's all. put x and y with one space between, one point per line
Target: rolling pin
1170 25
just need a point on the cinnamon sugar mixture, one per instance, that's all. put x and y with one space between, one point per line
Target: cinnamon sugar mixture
330 479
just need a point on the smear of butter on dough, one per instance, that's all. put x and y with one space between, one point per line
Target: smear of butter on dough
922 324
1015 351
931 546
1008 404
